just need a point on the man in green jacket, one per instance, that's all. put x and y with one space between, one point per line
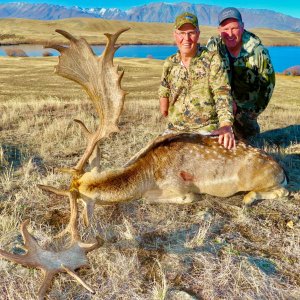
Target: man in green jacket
195 92
250 70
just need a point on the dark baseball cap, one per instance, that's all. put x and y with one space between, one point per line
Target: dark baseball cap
185 18
229 13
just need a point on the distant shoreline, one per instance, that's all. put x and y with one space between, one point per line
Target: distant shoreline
132 44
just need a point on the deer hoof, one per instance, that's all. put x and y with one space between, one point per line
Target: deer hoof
249 198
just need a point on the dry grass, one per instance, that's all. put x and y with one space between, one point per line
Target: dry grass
208 250
24 31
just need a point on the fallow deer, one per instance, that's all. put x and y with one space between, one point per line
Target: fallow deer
174 168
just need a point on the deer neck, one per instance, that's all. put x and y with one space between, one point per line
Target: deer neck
117 185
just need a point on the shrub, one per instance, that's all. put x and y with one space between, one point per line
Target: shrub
293 71
7 36
15 52
47 53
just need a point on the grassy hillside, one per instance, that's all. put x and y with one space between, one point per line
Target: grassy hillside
42 32
213 249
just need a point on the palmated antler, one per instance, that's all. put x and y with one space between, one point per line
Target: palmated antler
52 263
100 79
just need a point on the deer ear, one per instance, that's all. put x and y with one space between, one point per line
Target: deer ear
186 176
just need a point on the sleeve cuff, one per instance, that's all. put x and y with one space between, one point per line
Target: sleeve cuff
226 123
163 92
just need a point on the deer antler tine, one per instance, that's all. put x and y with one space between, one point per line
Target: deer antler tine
121 74
78 279
99 241
47 280
111 48
116 34
29 243
59 48
67 35
19 259
29 240
54 190
83 127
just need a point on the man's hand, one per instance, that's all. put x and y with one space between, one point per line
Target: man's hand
226 136
164 106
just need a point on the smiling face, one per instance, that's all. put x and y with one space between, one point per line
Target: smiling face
186 37
231 32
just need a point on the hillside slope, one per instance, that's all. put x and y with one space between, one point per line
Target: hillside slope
18 31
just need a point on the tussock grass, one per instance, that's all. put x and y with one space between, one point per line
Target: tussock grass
213 249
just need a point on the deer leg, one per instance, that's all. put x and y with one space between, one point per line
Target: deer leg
274 193
170 196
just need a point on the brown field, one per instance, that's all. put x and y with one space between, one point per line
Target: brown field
213 249
20 31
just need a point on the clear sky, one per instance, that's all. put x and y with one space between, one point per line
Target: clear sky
289 7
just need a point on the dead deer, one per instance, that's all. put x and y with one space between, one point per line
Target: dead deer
174 168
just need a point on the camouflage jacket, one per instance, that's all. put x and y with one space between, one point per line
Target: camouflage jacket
200 96
251 74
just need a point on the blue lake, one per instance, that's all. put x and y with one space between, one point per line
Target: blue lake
282 57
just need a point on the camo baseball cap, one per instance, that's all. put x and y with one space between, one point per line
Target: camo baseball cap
185 18
229 13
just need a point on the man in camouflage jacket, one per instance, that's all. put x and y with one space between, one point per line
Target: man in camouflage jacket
195 92
249 67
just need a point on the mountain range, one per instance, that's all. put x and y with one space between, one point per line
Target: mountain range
153 12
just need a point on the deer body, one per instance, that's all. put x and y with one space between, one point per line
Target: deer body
183 166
